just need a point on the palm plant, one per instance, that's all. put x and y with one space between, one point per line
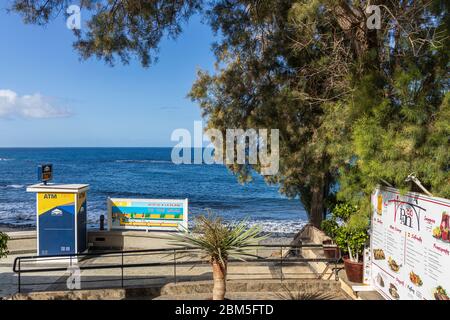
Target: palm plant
218 243
299 293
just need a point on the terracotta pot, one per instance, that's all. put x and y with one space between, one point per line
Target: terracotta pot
354 270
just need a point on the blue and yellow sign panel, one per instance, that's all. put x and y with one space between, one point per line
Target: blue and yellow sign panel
56 223
61 216
147 214
62 227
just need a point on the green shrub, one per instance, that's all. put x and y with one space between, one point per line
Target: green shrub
330 226
343 211
351 241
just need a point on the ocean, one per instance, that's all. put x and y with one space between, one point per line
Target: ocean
142 173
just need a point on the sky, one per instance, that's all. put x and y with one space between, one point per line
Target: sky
51 98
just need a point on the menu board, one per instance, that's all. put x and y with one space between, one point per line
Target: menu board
410 245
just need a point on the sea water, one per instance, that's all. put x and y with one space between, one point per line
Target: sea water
142 173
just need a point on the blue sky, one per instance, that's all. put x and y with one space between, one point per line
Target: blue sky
49 98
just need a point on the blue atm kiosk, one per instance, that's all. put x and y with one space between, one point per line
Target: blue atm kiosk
61 218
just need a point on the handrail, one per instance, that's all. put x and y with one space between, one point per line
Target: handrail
282 260
177 249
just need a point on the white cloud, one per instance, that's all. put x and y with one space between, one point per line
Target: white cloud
34 106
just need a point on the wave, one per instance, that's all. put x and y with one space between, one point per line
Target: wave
12 186
15 186
143 161
6 159
275 228
283 227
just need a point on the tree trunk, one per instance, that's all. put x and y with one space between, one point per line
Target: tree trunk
317 203
219 276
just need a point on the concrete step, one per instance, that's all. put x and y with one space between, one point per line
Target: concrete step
237 290
348 287
296 295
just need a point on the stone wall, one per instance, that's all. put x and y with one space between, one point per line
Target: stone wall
128 239
186 289
22 242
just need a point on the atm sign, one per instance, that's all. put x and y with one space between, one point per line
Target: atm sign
45 172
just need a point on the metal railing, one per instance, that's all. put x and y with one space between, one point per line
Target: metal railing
175 258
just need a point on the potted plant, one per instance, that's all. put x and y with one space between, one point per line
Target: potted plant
3 244
349 238
218 242
340 215
352 242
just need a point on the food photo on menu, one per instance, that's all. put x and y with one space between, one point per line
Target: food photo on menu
378 254
393 265
441 232
440 294
415 279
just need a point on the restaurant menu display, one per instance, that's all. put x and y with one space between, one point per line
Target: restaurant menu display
410 245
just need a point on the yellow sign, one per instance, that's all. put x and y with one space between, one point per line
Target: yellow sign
379 204
48 201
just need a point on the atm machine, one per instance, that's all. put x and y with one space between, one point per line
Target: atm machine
61 218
